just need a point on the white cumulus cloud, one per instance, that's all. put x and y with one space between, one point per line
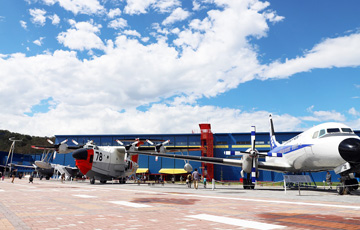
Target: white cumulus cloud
332 52
177 15
38 16
81 36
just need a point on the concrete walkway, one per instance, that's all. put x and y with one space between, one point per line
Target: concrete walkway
79 205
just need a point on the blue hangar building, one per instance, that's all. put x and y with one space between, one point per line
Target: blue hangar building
216 144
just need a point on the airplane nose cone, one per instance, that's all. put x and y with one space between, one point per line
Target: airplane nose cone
349 150
80 154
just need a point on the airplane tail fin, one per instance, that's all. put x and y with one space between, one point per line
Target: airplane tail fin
273 142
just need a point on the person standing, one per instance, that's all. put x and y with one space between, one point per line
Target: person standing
31 178
328 178
196 178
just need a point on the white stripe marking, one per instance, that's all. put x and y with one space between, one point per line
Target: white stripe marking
130 204
85 196
241 199
236 222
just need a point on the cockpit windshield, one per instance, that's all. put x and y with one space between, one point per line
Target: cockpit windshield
331 131
346 130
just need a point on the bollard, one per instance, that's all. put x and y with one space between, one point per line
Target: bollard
213 184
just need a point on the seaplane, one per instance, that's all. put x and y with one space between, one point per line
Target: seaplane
106 163
47 169
325 147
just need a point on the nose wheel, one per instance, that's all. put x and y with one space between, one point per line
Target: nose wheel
92 180
247 183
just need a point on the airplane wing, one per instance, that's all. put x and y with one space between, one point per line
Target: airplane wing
17 165
55 147
212 160
272 166
171 148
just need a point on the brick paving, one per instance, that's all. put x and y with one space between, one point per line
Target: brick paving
79 205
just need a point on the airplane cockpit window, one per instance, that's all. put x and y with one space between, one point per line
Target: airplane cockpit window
333 130
346 130
315 135
322 133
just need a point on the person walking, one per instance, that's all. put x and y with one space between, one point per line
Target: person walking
189 180
196 178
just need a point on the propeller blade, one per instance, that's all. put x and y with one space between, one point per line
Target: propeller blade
150 142
165 142
54 155
125 156
64 141
50 141
75 142
119 142
253 170
156 158
253 138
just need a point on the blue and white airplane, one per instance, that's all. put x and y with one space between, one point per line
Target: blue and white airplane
325 147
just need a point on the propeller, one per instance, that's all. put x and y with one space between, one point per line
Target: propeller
129 147
159 147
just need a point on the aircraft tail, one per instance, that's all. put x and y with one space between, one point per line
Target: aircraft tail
273 142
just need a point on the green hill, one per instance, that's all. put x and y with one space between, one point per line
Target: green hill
23 146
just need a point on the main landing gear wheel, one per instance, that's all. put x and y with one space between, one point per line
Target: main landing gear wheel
340 188
92 180
352 184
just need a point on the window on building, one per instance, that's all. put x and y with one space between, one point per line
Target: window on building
221 142
243 142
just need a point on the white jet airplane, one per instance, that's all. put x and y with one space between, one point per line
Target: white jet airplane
328 146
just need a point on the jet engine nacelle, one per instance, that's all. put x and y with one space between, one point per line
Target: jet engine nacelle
188 168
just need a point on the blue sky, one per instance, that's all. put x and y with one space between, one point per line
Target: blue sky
164 66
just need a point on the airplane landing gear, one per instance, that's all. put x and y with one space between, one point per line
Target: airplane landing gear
346 186
92 180
122 180
103 181
247 183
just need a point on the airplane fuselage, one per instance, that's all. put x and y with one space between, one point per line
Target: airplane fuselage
317 149
104 163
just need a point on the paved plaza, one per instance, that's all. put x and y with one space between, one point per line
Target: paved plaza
79 205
